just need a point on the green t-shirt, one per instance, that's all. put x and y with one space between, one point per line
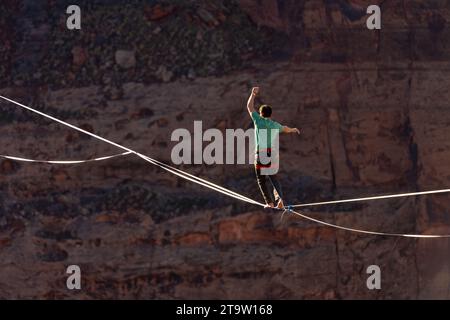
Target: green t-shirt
267 124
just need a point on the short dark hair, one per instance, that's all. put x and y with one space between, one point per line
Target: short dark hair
265 110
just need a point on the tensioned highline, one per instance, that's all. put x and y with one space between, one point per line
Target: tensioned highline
226 191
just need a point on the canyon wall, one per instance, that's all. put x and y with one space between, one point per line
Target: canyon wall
373 111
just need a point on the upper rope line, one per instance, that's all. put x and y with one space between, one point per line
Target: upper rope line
155 162
65 161
231 193
387 196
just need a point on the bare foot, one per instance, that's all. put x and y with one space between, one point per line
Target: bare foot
269 205
280 204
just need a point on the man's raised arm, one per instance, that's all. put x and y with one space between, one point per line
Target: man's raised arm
251 100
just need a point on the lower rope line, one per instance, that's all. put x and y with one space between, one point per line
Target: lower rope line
221 189
370 232
202 182
155 162
216 187
64 161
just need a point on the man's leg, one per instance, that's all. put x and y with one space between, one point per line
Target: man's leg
277 191
262 183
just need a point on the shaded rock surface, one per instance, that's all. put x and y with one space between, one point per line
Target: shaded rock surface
373 109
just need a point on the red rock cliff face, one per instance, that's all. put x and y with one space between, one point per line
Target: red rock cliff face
373 109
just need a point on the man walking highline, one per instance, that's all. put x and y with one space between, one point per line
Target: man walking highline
266 135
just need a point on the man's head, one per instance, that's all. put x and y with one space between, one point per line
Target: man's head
265 111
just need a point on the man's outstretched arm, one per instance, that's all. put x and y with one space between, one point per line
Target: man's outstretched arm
290 130
251 100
